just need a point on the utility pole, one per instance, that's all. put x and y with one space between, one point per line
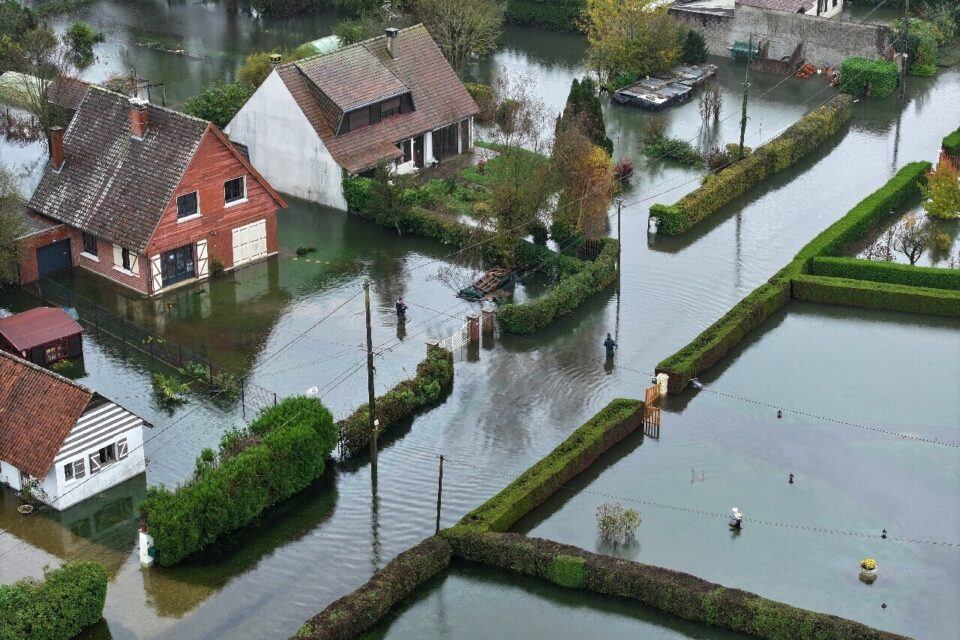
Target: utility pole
439 493
372 400
619 202
904 45
746 91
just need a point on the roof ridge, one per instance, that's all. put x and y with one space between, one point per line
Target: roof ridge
150 104
46 371
361 43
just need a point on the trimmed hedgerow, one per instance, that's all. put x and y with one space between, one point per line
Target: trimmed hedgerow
614 422
877 295
278 455
951 144
357 612
64 603
797 141
889 272
674 592
723 335
565 296
866 77
434 378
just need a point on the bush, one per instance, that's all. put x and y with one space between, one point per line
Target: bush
624 170
865 77
216 268
694 49
354 613
257 66
611 425
951 144
66 602
889 272
942 242
797 141
674 592
616 525
485 98
621 80
877 295
281 453
434 378
168 390
219 103
82 37
559 15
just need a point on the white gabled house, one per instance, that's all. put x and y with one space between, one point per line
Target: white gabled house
393 99
71 440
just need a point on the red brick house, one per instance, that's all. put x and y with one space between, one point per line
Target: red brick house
147 197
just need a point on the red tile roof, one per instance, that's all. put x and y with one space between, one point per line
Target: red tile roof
327 85
37 327
38 408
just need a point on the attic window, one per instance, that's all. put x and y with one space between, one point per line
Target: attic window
187 205
234 190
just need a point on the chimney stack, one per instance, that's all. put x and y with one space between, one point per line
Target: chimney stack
56 148
275 59
138 117
391 36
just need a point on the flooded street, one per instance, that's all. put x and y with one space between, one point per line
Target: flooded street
858 376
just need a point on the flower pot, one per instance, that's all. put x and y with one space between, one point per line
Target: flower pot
868 575
25 509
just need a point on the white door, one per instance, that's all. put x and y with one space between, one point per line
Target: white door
249 242
157 273
202 267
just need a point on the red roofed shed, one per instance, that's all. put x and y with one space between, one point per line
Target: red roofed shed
43 335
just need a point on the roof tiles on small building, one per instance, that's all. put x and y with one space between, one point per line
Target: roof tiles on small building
37 327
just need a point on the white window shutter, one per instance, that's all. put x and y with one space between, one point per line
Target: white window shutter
135 264
122 450
94 463
202 268
156 272
118 256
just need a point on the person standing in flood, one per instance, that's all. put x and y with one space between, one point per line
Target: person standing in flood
609 345
401 310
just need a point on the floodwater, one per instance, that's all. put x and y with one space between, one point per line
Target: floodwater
515 398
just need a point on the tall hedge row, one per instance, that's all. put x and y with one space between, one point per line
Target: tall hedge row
559 15
434 378
674 592
889 272
67 601
866 77
612 424
951 144
357 612
877 295
281 453
719 189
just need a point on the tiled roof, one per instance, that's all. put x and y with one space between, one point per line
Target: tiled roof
793 6
439 97
37 410
34 223
37 327
67 92
112 185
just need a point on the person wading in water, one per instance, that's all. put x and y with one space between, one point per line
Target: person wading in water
609 345
401 310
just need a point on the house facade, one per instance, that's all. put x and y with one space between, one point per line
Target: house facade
821 8
66 441
146 196
391 99
43 336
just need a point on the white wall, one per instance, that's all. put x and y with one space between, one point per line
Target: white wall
9 475
831 10
284 147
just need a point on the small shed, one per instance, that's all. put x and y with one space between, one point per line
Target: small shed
42 336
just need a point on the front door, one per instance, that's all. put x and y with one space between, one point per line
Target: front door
53 257
177 265
418 152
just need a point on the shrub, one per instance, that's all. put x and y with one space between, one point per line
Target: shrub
615 524
257 66
675 149
624 169
797 141
505 111
621 80
216 268
611 425
168 390
694 49
877 295
485 98
220 102
941 195
82 37
951 144
354 613
865 77
434 378
67 601
942 242
889 272
278 455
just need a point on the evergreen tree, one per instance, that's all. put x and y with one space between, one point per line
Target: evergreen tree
584 102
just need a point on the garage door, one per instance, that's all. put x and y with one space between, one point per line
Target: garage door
53 257
249 242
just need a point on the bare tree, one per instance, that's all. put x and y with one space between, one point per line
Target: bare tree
50 69
711 102
463 29
11 224
912 236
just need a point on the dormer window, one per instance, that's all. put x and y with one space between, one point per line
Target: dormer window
376 112
389 108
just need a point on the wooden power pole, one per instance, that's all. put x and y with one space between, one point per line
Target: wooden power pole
372 400
746 92
439 493
903 48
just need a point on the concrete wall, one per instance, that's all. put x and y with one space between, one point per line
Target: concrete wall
826 41
284 147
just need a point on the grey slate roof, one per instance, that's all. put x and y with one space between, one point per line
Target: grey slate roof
793 6
112 185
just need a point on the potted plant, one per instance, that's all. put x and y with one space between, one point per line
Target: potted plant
868 570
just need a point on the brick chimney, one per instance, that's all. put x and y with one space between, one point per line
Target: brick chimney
391 33
138 117
56 148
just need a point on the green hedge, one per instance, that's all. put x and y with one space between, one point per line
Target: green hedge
434 378
951 144
674 592
278 455
723 335
357 612
64 603
877 295
889 272
863 76
565 296
559 15
572 456
805 135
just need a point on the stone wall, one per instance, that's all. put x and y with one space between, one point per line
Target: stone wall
826 41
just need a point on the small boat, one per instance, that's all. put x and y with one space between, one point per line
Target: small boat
495 283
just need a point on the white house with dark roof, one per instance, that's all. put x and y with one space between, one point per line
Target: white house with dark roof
71 440
393 98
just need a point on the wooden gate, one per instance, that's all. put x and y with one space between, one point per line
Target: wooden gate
651 412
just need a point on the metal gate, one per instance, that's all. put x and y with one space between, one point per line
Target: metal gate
54 257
